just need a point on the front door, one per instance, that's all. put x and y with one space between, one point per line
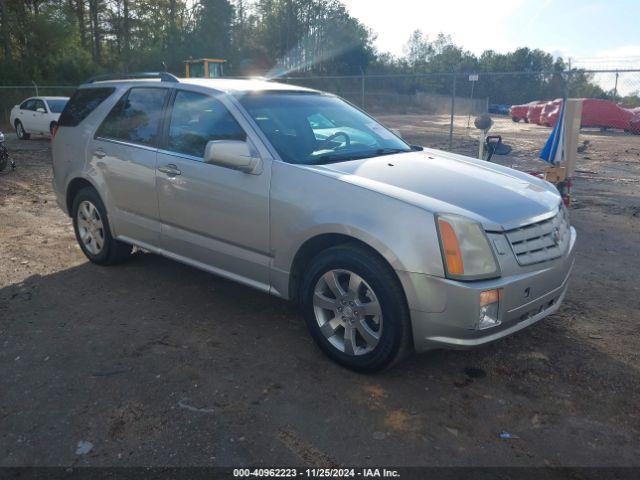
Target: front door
123 154
212 217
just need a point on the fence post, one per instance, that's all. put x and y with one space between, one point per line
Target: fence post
453 107
36 86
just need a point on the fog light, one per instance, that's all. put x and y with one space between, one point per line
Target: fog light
489 306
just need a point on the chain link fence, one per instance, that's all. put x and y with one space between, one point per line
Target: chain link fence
438 109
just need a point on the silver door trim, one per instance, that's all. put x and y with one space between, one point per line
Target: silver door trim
196 264
127 144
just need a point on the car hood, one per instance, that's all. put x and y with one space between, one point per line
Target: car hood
498 197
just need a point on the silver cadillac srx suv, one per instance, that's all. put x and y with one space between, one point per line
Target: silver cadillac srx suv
388 248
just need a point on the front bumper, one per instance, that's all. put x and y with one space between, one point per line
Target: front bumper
444 313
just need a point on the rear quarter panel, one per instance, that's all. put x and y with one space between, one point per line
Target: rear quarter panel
13 115
69 151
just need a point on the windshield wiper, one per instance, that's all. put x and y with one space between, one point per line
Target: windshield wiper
323 159
390 151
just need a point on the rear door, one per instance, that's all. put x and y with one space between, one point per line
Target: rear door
40 117
213 217
123 158
25 114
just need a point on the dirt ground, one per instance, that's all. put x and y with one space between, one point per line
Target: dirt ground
156 363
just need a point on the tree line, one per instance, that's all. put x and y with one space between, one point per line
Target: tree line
67 41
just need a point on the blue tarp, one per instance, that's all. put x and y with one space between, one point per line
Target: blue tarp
552 152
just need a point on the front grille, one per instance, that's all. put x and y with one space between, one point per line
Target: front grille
541 241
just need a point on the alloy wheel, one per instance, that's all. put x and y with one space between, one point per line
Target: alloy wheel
348 312
90 227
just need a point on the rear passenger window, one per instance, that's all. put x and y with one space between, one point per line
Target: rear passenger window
81 104
28 105
197 119
136 117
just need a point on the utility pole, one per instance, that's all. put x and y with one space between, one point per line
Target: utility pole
473 78
615 88
567 81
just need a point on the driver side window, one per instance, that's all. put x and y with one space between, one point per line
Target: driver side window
28 105
197 119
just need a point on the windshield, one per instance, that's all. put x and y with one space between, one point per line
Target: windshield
312 128
56 106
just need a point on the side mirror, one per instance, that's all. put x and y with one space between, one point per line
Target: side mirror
233 154
40 110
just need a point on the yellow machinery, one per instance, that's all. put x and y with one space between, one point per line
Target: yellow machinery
204 68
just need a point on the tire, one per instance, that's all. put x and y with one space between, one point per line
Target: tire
515 119
102 248
21 132
388 330
53 126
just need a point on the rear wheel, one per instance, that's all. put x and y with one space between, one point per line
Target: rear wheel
92 230
355 309
515 119
21 132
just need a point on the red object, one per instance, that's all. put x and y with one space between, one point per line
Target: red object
634 124
605 114
533 115
550 112
597 113
519 112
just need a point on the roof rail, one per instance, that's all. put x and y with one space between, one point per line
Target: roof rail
163 76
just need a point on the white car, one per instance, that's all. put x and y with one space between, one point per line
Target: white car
37 115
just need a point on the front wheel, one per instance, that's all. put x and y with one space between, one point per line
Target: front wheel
92 230
355 309
21 132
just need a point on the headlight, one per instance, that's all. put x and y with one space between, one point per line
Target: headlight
466 252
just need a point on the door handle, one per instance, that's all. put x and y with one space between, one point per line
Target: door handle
170 169
100 153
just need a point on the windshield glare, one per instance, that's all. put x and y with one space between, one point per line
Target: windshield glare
312 128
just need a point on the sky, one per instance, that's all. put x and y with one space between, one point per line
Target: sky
593 33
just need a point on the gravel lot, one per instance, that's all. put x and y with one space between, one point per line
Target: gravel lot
156 363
